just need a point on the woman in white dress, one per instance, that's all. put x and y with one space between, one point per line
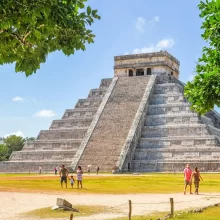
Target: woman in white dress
79 173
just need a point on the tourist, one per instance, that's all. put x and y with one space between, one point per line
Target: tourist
71 181
40 169
97 170
88 169
55 170
196 175
79 173
63 175
187 178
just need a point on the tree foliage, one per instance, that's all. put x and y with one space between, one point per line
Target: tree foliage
30 30
3 152
14 143
204 91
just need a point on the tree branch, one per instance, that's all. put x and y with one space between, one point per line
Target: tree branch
17 37
26 36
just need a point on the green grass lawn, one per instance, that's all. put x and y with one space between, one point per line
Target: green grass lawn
212 213
149 183
49 213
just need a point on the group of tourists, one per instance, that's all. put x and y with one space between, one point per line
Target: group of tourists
189 176
64 175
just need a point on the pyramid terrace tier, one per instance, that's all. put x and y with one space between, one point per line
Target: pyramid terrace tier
178 141
97 93
61 144
175 130
71 123
105 83
176 118
54 134
168 88
90 102
42 155
178 153
171 98
180 108
173 165
80 113
33 166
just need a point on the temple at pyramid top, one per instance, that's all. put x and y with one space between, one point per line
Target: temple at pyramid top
146 64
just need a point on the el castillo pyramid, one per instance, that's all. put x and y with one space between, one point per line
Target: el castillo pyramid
137 121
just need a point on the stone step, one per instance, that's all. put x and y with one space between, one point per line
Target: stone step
90 102
175 165
80 112
42 155
71 123
169 109
177 153
61 144
181 141
167 88
175 130
62 134
187 118
167 98
97 92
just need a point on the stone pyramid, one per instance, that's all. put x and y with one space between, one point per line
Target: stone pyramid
137 121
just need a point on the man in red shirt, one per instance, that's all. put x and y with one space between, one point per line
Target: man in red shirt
187 178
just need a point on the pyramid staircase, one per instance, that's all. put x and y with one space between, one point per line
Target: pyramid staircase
173 135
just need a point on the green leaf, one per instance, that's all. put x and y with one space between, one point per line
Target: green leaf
89 10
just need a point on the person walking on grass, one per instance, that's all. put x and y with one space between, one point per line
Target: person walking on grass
187 178
196 176
79 173
97 170
63 175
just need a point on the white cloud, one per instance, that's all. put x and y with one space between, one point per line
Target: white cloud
166 43
140 24
22 99
45 113
18 133
17 99
161 45
156 18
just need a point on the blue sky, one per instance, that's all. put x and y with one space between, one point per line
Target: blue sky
28 105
